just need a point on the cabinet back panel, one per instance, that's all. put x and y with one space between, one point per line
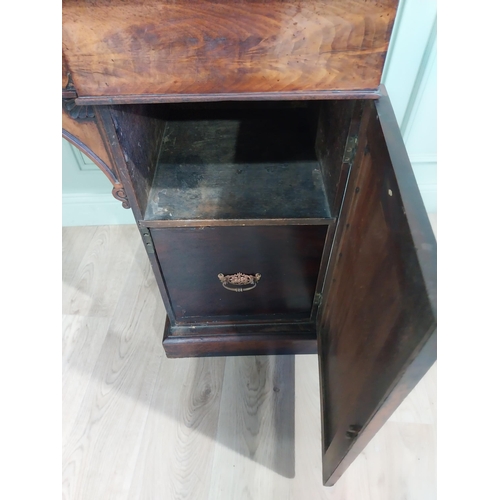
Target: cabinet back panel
288 259
115 48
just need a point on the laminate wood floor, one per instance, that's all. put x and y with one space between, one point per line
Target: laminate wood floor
137 425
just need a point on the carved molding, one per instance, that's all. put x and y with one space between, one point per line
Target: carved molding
119 193
78 112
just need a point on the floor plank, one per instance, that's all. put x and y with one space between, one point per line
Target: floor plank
102 441
110 249
177 449
255 437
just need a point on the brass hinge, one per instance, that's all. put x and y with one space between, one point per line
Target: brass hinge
146 237
350 149
318 298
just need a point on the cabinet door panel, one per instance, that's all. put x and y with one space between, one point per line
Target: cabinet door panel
377 323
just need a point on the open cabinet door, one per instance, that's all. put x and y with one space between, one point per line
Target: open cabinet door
377 321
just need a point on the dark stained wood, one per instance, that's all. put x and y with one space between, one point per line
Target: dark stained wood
288 258
316 95
70 94
337 121
241 327
325 260
201 46
377 323
238 345
236 222
139 130
108 127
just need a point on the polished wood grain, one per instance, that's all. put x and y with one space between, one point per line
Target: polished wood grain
315 95
198 47
139 426
377 323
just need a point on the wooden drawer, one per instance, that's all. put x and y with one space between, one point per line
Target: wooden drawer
130 51
286 258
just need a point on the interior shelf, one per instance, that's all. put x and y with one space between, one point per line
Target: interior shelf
240 162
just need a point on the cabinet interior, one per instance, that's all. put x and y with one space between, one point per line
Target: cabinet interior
235 160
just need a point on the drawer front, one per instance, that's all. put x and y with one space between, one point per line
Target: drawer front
115 48
287 258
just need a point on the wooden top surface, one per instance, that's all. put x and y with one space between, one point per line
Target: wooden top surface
121 48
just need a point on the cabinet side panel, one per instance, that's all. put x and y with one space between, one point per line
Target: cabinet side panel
376 330
139 129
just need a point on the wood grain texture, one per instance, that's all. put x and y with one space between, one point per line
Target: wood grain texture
65 74
313 95
257 412
74 247
205 46
84 293
140 426
178 447
100 359
378 318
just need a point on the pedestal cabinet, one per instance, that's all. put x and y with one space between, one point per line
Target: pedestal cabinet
270 184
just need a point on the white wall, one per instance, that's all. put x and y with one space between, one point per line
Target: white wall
410 78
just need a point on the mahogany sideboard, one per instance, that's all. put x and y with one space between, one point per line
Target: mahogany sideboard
265 169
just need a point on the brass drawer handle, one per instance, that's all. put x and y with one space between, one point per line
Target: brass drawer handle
239 282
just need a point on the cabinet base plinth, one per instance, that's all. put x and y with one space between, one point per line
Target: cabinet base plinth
239 341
